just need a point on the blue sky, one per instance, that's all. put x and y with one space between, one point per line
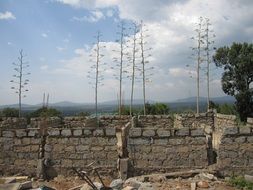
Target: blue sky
57 37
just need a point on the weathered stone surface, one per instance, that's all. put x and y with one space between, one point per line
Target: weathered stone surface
197 132
98 132
117 184
182 132
148 133
9 134
33 132
77 132
54 132
245 130
163 133
230 131
87 132
21 133
135 132
110 131
66 132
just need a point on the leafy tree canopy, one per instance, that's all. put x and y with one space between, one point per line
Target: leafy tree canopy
157 109
9 112
237 78
45 112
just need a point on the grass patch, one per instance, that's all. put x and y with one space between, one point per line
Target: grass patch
241 183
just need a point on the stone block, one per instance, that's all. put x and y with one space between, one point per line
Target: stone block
227 141
98 132
245 130
163 132
250 139
161 141
21 133
177 141
66 132
87 132
182 132
9 134
110 131
138 141
197 132
240 139
135 132
230 131
82 148
148 133
53 132
96 148
77 132
33 132
48 148
250 120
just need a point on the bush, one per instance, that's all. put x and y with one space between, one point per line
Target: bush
9 112
241 183
45 112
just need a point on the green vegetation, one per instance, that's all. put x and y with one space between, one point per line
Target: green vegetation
9 112
237 77
151 109
45 112
228 109
241 183
83 114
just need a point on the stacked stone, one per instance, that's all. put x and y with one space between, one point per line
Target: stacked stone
221 121
235 153
160 150
49 121
19 151
250 122
193 120
79 147
114 121
74 122
157 121
13 122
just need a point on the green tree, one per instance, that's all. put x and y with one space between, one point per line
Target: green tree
157 109
46 112
237 62
9 112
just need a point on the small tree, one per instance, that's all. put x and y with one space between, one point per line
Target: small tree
20 82
10 112
237 62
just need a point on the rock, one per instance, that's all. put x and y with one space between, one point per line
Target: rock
203 184
116 184
10 180
146 186
207 176
26 185
10 186
87 187
193 186
129 188
133 183
248 178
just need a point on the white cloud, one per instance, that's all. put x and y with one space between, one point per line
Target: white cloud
44 67
7 16
94 16
60 49
9 43
181 72
44 35
109 13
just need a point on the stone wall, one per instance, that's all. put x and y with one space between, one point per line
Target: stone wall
147 143
160 150
79 147
235 152
155 121
19 150
193 120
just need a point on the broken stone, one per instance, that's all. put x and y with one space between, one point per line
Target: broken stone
133 183
248 178
146 186
207 176
193 186
129 188
117 184
87 187
203 184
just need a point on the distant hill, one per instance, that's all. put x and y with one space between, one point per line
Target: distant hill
126 102
222 99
